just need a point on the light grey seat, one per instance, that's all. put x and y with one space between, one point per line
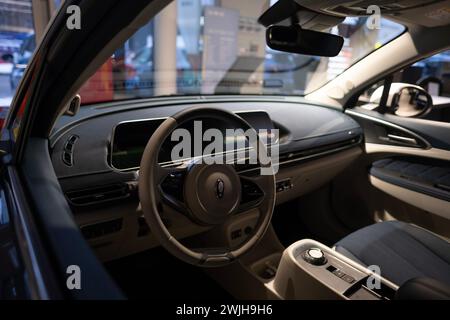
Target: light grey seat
402 251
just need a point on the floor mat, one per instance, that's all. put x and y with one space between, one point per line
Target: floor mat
155 274
290 228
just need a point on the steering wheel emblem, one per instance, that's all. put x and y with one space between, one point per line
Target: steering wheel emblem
220 188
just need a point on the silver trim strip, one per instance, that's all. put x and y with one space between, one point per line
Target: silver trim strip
402 139
312 156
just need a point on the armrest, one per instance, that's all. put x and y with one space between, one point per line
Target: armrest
429 179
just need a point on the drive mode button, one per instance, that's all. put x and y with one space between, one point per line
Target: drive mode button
315 256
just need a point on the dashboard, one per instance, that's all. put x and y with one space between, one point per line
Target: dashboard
96 156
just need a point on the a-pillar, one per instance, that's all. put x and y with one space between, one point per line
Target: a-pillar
165 51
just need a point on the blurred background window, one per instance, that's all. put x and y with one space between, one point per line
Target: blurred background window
21 22
191 47
218 47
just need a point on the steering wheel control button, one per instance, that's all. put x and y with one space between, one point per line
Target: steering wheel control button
315 257
284 185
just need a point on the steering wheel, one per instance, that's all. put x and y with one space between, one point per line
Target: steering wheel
212 193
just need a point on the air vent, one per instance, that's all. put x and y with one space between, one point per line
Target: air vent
67 155
67 158
90 196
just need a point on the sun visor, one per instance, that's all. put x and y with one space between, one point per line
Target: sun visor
428 13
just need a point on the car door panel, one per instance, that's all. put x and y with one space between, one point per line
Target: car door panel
409 162
22 258
420 200
11 268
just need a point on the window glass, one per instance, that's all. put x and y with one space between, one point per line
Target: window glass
16 29
17 44
432 74
218 47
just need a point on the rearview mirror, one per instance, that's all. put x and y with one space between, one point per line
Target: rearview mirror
294 39
405 100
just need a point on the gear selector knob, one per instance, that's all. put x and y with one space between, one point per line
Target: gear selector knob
315 256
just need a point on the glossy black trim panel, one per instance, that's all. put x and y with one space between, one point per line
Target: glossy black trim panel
435 133
392 134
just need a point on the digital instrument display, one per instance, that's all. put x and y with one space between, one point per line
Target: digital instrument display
130 138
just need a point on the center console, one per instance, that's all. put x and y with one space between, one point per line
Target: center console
311 270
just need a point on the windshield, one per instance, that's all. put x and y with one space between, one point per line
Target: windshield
217 47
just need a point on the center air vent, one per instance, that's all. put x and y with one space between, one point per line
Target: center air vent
95 195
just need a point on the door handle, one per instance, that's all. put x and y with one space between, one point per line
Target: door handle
401 139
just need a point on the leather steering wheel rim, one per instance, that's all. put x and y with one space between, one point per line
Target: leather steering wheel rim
151 175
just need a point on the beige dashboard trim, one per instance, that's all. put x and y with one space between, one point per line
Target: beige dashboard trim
417 199
428 153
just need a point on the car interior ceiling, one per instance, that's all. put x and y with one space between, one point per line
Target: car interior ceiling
93 211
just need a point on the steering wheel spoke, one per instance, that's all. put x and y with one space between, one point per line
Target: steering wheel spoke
171 186
215 256
162 172
252 191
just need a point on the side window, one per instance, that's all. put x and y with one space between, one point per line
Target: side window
421 90
18 20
